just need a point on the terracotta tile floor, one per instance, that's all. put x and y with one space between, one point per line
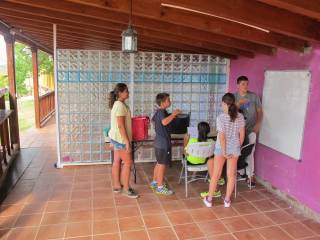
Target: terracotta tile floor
77 203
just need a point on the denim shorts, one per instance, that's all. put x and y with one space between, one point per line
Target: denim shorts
233 151
117 145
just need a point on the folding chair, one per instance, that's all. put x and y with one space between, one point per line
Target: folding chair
199 149
242 164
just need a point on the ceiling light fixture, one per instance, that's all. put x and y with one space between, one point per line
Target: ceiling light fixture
129 36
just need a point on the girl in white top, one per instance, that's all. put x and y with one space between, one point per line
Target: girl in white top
121 135
231 132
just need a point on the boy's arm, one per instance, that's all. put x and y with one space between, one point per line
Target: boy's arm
169 119
259 120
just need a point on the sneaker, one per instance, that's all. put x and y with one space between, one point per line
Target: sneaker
227 204
207 202
216 194
221 182
164 191
131 193
242 177
153 185
117 190
253 183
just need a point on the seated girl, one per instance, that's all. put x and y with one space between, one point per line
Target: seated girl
203 131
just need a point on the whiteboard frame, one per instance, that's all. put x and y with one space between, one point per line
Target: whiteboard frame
309 74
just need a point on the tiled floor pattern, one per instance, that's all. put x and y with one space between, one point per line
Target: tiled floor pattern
77 203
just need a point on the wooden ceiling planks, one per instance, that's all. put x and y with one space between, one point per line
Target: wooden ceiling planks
164 28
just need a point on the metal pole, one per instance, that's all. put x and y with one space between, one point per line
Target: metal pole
58 164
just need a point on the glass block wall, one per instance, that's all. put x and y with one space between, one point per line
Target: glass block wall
195 83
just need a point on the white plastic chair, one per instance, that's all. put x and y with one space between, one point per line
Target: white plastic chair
241 164
199 149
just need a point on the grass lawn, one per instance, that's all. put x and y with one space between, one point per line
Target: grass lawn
26 114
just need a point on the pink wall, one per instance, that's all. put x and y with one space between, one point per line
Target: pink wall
300 179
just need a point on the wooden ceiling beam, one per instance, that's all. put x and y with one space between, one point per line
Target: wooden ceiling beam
309 8
103 36
71 35
257 14
164 44
7 30
198 35
153 11
174 23
75 44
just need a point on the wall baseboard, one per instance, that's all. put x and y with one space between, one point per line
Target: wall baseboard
297 205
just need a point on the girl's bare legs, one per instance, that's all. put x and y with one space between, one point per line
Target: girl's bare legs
126 168
210 164
231 173
116 166
218 162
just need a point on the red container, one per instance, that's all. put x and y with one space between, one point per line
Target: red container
140 125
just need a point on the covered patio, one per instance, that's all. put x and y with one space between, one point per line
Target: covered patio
194 50
78 203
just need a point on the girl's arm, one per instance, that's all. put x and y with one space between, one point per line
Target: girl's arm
242 135
222 140
185 142
123 131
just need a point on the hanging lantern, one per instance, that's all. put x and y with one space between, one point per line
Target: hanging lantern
129 36
129 40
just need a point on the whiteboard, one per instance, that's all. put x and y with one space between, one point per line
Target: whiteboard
284 103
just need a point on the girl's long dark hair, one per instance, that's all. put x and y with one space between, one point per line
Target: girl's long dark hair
203 131
114 94
230 100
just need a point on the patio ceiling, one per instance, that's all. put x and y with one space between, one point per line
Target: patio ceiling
225 28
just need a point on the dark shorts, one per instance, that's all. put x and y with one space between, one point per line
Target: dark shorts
163 156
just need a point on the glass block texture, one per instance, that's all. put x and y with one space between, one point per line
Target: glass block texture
195 83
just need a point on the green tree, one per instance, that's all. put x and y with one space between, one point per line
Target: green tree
23 67
45 62
3 81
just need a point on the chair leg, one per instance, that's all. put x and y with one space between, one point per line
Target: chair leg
206 179
235 187
183 166
186 179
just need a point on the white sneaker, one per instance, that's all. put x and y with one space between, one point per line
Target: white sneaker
207 202
227 204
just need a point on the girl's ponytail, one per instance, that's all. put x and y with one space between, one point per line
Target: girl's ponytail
230 100
233 112
112 99
203 131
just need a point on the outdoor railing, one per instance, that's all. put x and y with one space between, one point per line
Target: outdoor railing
7 131
47 107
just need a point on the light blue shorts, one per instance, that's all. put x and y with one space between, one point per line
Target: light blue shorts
117 145
233 151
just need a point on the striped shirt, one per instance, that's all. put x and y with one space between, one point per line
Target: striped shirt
231 131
